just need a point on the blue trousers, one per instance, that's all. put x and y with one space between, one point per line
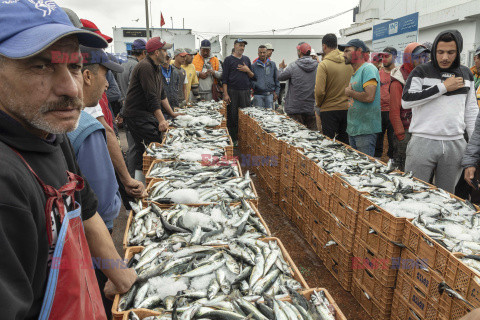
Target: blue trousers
364 143
263 101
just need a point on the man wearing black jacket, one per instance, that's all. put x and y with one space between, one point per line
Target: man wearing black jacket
40 100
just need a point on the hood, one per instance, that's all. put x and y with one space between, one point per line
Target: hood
307 64
335 56
458 39
407 56
396 74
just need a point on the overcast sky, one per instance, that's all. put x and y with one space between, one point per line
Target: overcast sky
211 17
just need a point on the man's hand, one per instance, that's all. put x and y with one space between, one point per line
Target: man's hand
176 114
210 72
275 97
135 188
243 67
282 64
111 290
203 75
469 175
119 119
349 90
454 83
226 98
163 126
400 137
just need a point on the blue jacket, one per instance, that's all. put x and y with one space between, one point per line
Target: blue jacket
90 146
266 78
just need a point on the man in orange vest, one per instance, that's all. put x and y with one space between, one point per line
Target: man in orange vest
209 71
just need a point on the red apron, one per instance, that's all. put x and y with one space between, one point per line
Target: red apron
72 289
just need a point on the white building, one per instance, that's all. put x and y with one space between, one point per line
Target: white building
124 37
434 16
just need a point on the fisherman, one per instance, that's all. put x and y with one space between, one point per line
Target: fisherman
146 107
47 249
209 71
441 94
333 76
364 118
192 78
177 64
266 86
413 55
300 99
237 72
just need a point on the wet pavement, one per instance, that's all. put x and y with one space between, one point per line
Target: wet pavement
309 264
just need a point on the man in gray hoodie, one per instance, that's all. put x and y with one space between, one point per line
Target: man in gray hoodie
300 98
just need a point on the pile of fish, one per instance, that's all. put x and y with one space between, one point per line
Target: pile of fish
473 262
215 137
186 151
205 225
202 190
198 116
172 278
194 172
268 308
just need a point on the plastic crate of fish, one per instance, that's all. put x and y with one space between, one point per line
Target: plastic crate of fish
275 145
289 151
425 248
363 277
286 192
401 310
287 166
418 301
346 215
286 208
148 158
321 196
321 177
337 260
297 216
303 162
368 302
383 265
316 245
345 192
319 216
463 278
339 232
384 222
293 272
338 313
424 278
455 308
131 218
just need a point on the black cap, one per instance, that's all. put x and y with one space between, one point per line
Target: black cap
357 43
240 40
420 49
477 52
98 56
391 50
205 44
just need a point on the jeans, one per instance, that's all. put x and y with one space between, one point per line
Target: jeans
364 143
263 101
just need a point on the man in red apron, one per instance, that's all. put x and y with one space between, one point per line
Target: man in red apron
49 228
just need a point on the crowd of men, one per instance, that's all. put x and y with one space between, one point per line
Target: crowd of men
62 97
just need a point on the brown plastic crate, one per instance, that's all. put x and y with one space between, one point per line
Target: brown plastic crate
418 301
383 294
322 196
302 162
456 308
424 247
381 264
423 277
368 302
321 177
148 159
384 222
375 242
339 232
286 192
319 214
346 215
401 310
286 208
338 313
463 279
346 193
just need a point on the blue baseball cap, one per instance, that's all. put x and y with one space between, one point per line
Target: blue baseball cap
240 40
357 43
205 44
30 26
99 56
139 44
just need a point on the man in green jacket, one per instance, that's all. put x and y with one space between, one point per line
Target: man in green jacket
333 76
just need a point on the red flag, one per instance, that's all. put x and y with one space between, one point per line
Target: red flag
162 21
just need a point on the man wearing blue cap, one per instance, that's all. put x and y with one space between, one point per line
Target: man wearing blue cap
364 119
49 226
137 54
209 71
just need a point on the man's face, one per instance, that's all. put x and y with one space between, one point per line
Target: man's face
387 59
161 56
180 59
205 52
98 84
239 48
476 59
262 54
419 59
269 53
348 54
45 97
189 59
446 54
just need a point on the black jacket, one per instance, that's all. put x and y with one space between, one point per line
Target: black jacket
24 245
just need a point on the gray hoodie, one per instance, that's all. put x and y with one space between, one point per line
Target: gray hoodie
301 75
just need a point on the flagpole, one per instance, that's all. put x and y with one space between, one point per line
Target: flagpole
146 16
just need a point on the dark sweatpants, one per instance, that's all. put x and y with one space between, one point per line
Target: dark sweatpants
386 126
144 130
334 123
239 99
307 119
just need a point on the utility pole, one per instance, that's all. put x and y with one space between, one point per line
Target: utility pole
183 23
171 18
148 22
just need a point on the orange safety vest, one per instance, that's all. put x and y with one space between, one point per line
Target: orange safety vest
198 62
